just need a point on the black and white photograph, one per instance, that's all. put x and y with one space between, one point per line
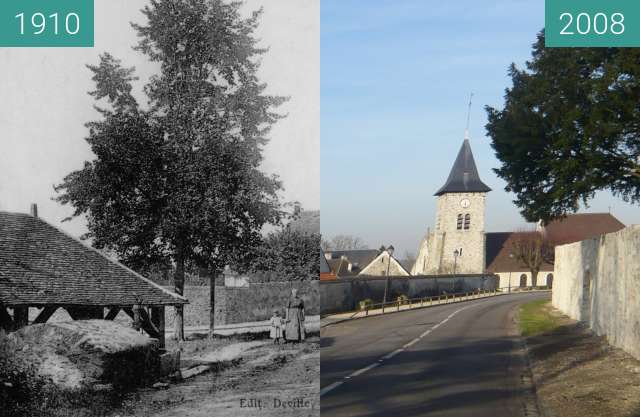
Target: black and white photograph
159 214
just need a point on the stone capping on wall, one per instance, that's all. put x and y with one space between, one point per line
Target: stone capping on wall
344 294
402 277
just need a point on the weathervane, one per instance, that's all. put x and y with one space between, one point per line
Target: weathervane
466 131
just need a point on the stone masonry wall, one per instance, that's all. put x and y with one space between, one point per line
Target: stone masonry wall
441 243
344 294
244 304
257 301
598 282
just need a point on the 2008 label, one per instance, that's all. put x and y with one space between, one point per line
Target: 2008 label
585 24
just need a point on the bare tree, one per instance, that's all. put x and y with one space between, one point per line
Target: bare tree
532 249
343 242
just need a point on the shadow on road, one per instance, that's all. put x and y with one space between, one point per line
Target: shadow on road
452 375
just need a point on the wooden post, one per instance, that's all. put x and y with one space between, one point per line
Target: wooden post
113 312
45 314
157 318
21 316
6 322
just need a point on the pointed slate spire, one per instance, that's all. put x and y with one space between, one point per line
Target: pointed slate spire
464 177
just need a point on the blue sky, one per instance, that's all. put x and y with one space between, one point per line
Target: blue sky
395 82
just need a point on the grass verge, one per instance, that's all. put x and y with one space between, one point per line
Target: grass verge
536 318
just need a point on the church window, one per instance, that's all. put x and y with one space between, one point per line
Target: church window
459 221
467 221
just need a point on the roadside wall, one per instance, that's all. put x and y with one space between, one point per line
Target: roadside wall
254 302
598 282
545 278
257 301
344 294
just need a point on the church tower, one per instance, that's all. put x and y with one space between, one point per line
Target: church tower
458 240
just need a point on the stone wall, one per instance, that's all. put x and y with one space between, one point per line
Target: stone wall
598 282
254 302
257 301
516 276
344 294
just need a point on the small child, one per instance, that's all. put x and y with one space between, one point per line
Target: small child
276 327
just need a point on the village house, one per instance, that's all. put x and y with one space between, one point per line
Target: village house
364 262
43 269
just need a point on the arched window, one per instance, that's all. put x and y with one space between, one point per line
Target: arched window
523 280
550 280
467 221
459 221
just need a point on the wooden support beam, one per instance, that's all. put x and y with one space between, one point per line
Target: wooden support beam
113 312
6 322
85 313
147 325
129 312
157 319
21 316
45 314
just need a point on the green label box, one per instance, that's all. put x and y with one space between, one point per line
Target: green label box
46 23
592 23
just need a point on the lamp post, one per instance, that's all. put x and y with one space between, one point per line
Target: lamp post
386 286
510 256
456 253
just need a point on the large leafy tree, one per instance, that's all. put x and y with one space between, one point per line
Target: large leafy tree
178 180
569 127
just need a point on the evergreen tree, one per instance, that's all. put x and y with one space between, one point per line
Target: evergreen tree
569 128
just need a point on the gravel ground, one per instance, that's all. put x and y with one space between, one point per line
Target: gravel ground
266 380
578 374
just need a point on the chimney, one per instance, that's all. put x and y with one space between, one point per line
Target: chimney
34 209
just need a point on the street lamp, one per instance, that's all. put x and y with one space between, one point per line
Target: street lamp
456 253
510 256
386 286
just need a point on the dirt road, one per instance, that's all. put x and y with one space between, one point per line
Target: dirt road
268 380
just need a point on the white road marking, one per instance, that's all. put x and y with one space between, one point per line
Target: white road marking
361 371
330 387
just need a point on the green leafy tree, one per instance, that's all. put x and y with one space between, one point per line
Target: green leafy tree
287 255
569 128
178 181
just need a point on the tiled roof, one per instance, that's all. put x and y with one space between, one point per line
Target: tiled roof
573 228
577 227
39 264
464 177
497 254
358 258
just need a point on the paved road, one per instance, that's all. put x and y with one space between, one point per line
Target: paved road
455 360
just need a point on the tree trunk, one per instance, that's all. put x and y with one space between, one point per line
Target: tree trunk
178 280
212 301
534 278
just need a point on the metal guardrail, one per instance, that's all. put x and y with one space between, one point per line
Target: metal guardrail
421 302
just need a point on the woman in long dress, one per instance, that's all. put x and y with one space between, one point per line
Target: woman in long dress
294 328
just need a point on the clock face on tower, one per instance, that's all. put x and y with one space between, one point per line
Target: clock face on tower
465 203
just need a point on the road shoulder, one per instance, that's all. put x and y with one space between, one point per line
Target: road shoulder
576 373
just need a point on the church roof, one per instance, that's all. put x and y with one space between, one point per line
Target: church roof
464 177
